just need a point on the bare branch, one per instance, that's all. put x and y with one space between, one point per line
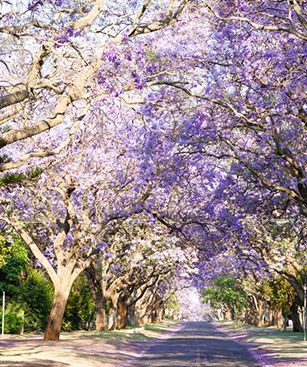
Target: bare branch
18 227
28 131
13 98
9 115
40 153
89 18
169 20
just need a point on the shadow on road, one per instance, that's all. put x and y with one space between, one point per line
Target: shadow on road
196 344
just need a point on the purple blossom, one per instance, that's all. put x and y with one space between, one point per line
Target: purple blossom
87 8
35 4
101 78
125 39
69 237
61 39
112 57
139 83
65 36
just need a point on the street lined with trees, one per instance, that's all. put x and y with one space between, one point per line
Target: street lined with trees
147 148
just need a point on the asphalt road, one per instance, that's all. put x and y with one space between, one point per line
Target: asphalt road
196 344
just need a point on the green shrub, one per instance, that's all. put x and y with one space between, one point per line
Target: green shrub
36 294
26 288
80 309
67 325
13 318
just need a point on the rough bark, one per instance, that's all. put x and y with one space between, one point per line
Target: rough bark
13 98
280 319
112 318
100 311
292 279
61 294
131 315
251 312
121 314
112 300
295 317
261 313
160 314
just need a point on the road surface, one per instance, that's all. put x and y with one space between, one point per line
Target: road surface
196 344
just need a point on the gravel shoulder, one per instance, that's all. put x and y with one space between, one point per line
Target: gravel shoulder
271 347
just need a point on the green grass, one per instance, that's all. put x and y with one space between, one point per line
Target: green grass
130 333
155 327
121 335
265 331
284 344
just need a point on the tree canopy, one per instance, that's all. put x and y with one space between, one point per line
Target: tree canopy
154 143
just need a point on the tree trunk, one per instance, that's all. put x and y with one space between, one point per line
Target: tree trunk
57 312
145 310
100 311
121 314
279 320
296 285
261 313
251 312
160 313
295 317
227 314
113 310
131 316
112 318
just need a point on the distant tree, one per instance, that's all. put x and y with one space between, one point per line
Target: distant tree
227 292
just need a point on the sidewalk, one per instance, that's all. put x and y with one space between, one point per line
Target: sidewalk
271 347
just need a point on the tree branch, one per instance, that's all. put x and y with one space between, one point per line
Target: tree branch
28 131
13 98
33 247
168 20
260 26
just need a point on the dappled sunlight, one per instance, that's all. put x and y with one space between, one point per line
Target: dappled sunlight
196 344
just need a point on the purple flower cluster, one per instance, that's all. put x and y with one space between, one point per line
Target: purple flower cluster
65 37
35 4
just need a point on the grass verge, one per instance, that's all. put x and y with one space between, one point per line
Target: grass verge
284 345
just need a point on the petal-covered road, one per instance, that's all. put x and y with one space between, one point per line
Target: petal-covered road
196 344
